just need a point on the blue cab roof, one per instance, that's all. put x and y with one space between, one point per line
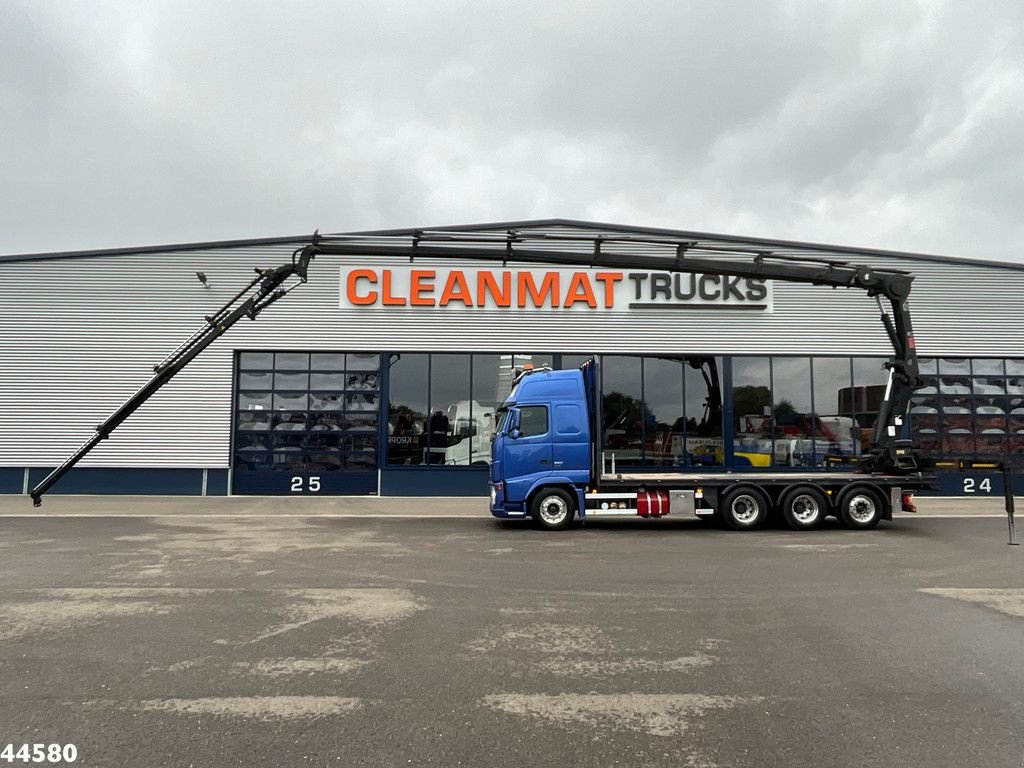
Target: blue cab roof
543 386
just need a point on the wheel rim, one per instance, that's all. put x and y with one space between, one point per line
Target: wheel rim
553 510
745 509
805 508
861 508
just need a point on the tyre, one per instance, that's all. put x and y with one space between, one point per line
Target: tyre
552 509
804 508
859 508
744 508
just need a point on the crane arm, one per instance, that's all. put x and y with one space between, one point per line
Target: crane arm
889 453
267 287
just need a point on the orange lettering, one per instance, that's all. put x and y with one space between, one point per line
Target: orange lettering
609 279
456 279
548 286
419 284
386 298
350 287
580 290
485 283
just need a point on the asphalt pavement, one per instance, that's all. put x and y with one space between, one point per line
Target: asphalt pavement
211 638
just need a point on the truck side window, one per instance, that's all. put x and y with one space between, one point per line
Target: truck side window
568 419
533 420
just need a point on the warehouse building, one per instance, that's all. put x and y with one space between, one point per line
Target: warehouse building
381 376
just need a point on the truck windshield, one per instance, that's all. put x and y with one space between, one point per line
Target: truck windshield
500 417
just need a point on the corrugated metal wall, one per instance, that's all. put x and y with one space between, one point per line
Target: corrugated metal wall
81 334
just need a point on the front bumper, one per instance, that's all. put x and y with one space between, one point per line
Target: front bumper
500 508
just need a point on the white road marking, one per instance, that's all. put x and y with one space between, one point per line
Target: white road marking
1008 601
656 714
258 707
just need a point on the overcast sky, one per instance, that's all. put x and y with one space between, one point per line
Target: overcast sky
886 124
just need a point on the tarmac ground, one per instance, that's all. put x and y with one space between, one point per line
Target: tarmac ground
352 632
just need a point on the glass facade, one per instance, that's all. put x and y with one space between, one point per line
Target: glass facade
302 414
970 407
442 407
336 414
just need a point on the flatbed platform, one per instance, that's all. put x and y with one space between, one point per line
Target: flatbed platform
769 478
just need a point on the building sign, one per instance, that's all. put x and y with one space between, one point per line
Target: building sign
405 287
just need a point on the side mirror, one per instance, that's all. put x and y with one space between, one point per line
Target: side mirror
514 433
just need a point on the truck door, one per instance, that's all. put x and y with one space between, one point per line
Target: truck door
527 450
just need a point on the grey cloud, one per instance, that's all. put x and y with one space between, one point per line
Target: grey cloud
880 124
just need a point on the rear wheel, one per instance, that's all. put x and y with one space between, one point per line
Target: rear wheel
552 509
804 508
744 508
859 508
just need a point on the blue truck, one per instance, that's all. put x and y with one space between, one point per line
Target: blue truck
546 464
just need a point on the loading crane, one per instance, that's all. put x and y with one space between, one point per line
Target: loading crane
889 453
268 287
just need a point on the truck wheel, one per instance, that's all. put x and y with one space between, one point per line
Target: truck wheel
804 508
859 508
552 509
744 508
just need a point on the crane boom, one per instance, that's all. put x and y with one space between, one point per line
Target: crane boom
889 453
263 290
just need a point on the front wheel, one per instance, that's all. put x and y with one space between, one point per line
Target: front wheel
552 509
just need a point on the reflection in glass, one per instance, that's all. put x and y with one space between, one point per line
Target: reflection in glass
836 435
331 428
484 404
254 401
450 423
665 430
361 401
954 365
792 417
702 387
361 422
327 361
622 409
319 401
987 366
574 361
407 411
327 381
291 381
752 411
869 380
248 361
362 361
289 422
290 402
291 361
255 380
254 420
988 386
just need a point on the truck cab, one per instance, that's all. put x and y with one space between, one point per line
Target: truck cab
543 439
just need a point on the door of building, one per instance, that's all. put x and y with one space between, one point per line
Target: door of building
306 423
